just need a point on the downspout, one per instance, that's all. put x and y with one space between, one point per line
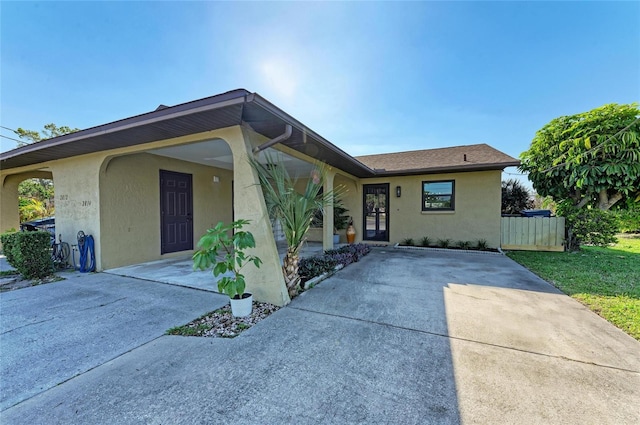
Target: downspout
284 136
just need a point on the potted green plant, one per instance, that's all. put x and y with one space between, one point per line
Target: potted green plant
231 242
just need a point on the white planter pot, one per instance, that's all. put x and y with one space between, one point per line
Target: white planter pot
242 307
336 239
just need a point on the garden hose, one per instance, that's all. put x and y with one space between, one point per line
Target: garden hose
86 246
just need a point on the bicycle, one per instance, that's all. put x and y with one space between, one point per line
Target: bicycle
60 253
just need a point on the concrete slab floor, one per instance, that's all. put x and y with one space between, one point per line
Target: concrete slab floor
179 270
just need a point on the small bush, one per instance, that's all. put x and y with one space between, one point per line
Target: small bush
482 244
464 244
407 242
425 241
444 243
8 241
310 267
29 253
628 219
590 226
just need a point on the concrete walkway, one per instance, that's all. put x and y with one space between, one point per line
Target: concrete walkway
400 337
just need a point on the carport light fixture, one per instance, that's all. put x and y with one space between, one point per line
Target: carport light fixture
398 191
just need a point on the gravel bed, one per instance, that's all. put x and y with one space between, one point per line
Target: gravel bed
222 324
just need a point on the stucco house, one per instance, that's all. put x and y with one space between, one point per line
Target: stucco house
146 187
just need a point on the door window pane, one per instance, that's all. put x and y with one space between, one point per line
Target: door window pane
375 212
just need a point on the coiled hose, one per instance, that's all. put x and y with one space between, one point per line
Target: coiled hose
86 246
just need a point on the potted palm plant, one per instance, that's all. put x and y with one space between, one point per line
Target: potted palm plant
231 242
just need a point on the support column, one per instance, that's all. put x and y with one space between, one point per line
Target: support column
9 213
267 282
327 222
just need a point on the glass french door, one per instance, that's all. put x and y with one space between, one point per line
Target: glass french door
376 212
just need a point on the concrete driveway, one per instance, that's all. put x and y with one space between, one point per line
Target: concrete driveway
54 332
400 337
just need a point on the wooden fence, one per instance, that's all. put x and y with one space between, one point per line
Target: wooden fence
532 233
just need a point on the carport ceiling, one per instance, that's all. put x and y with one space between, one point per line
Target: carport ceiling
216 153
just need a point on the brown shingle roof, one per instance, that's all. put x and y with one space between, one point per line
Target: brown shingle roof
478 157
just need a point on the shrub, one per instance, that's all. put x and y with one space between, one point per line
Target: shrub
310 267
29 253
629 219
425 241
444 243
590 226
8 241
464 244
482 244
407 242
356 251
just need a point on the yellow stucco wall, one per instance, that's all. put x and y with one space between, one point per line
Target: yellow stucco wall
130 205
476 215
267 283
9 214
77 193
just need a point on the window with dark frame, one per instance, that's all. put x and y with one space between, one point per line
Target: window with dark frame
438 195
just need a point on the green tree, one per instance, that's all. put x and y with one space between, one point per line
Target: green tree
50 130
589 159
35 196
293 209
31 209
515 197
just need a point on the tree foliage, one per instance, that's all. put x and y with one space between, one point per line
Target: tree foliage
590 226
50 130
515 197
591 158
31 209
35 196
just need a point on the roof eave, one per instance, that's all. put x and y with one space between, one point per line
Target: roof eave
362 169
213 102
448 169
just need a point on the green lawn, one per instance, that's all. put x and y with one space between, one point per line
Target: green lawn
607 280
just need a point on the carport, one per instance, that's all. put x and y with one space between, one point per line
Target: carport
147 186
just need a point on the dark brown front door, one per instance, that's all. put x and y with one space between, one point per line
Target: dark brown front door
376 212
176 212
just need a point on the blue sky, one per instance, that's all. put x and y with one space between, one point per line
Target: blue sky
371 77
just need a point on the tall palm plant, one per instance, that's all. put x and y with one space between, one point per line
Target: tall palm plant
293 209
